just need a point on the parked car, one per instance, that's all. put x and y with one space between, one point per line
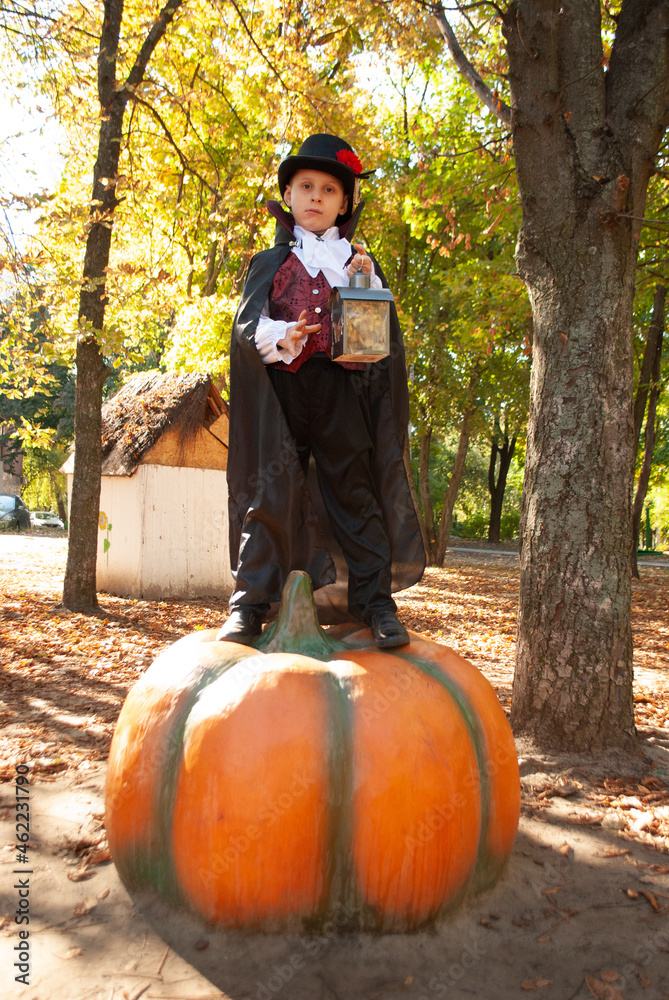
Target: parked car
45 519
14 515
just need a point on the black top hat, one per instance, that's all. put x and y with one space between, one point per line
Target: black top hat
331 155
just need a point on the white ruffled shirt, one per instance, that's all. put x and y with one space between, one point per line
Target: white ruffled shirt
327 253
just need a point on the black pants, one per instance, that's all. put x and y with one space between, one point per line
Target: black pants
326 410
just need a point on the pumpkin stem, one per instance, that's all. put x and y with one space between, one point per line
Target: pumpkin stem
296 629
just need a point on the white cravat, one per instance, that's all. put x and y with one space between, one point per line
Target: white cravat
327 253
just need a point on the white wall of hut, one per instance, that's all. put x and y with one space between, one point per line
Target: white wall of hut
169 537
169 524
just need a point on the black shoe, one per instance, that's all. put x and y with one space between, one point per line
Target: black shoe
387 630
244 625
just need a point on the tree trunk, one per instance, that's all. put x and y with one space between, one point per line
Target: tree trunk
653 336
454 485
61 498
426 496
586 130
656 329
646 465
497 489
414 494
79 590
584 142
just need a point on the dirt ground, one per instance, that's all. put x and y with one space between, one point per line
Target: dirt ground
582 909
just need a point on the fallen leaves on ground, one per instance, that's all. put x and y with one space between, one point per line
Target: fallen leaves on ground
601 990
85 907
64 676
633 809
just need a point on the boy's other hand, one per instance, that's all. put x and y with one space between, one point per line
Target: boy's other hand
360 261
297 334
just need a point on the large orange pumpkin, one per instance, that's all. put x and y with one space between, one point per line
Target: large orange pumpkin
312 778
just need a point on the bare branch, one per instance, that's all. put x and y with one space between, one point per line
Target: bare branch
475 81
462 7
653 223
219 90
475 149
187 167
20 11
158 29
187 115
257 47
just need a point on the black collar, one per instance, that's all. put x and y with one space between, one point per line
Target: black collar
285 223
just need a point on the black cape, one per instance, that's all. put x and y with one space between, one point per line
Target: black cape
265 480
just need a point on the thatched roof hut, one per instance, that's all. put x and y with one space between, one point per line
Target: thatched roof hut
172 409
163 502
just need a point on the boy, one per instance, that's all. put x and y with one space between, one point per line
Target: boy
290 401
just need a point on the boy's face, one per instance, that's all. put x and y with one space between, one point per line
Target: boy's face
315 199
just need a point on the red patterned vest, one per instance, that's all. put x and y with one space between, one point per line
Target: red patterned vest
292 291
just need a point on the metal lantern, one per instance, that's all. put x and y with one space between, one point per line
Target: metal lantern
360 321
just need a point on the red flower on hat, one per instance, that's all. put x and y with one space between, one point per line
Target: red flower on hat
349 159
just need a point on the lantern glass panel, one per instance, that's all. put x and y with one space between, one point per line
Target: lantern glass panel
366 325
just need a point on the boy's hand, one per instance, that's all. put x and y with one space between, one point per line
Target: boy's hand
296 333
360 261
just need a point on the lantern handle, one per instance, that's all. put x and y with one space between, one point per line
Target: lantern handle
359 280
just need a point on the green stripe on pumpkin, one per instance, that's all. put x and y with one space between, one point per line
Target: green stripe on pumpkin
484 859
154 867
339 898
